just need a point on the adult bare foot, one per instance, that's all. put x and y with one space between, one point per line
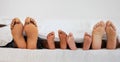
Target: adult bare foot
31 31
17 33
63 39
71 42
111 35
50 40
87 41
97 34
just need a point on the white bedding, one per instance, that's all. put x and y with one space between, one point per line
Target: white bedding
77 27
58 55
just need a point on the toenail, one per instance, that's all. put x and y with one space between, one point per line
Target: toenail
31 19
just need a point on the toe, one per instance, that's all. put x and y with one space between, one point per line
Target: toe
14 22
27 20
70 34
60 31
33 22
108 23
102 23
96 25
86 34
113 26
52 33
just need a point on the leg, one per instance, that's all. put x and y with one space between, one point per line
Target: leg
63 39
87 41
31 31
17 33
71 42
111 35
97 34
50 40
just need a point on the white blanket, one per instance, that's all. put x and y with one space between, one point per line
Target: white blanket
77 27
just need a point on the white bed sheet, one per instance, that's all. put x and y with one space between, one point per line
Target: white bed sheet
58 55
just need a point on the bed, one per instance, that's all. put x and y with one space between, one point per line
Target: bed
57 55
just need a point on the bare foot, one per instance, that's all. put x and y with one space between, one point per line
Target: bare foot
17 33
97 34
31 31
111 35
87 41
50 40
71 42
63 39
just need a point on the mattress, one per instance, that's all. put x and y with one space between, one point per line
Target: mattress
58 55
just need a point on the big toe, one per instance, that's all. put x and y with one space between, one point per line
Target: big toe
113 27
86 34
27 20
102 24
33 22
14 22
70 34
51 34
110 24
60 32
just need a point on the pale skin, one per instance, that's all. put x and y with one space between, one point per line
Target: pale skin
87 41
50 40
97 34
31 31
111 35
99 29
63 39
71 42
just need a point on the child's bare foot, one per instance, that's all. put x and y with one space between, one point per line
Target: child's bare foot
63 39
97 34
111 35
87 41
71 42
50 40
31 31
17 33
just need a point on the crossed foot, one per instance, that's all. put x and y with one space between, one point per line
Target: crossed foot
64 40
98 32
31 32
71 42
